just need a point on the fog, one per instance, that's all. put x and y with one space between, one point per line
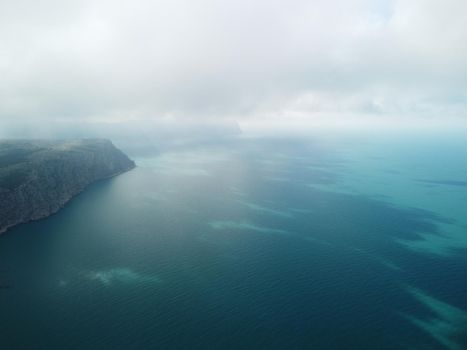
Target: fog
262 63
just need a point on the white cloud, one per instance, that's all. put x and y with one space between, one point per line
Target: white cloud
126 59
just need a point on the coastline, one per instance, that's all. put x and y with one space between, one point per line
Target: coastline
64 202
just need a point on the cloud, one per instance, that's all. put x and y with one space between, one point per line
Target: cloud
141 59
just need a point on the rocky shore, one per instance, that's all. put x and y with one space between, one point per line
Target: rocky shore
38 177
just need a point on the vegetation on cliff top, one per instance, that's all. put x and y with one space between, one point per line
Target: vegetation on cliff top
19 158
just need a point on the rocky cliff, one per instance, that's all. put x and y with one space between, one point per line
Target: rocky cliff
38 177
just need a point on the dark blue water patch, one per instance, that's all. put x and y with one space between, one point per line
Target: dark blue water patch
444 182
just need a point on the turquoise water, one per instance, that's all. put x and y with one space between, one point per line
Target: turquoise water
352 242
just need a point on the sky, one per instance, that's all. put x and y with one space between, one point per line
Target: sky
246 60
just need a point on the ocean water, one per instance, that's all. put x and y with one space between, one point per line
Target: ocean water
324 242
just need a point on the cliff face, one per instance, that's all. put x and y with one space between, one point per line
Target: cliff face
38 177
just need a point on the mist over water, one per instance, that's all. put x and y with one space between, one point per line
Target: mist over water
325 241
301 180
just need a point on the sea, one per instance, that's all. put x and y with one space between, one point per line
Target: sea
355 241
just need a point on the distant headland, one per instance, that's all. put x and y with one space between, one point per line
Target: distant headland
37 177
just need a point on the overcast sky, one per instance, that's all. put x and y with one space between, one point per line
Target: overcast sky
237 59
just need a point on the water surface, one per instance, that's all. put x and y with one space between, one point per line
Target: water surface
252 244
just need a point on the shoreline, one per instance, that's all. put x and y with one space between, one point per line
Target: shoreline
5 229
